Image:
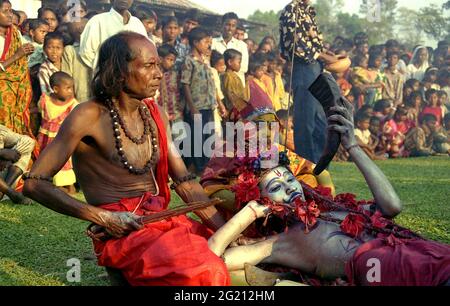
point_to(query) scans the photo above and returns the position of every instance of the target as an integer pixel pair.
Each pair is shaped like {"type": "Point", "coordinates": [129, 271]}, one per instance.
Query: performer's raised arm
{"type": "Point", "coordinates": [384, 194]}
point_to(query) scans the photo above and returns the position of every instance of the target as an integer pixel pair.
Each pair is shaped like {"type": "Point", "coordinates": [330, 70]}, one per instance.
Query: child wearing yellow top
{"type": "Point", "coordinates": [54, 109]}
{"type": "Point", "coordinates": [234, 91]}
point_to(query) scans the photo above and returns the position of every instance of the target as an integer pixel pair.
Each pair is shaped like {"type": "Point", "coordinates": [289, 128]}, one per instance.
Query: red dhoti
{"type": "Point", "coordinates": [172, 252]}
{"type": "Point", "coordinates": [402, 262]}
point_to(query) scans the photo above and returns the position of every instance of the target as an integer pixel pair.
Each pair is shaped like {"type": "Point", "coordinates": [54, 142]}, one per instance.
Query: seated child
{"type": "Point", "coordinates": [364, 136]}
{"type": "Point", "coordinates": [53, 49]}
{"type": "Point", "coordinates": [395, 129]}
{"type": "Point", "coordinates": [432, 107]}
{"type": "Point", "coordinates": [363, 79]}
{"type": "Point", "coordinates": [441, 138]}
{"type": "Point", "coordinates": [54, 109]}
{"type": "Point", "coordinates": [413, 106]}
{"type": "Point", "coordinates": [419, 141]}
{"type": "Point", "coordinates": [383, 109]}
{"type": "Point", "coordinates": [443, 102]}
{"type": "Point", "coordinates": [376, 138]}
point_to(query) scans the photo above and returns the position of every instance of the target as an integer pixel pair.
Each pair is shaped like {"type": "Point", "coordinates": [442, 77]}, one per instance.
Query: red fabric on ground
{"type": "Point", "coordinates": [172, 252]}
{"type": "Point", "coordinates": [403, 262]}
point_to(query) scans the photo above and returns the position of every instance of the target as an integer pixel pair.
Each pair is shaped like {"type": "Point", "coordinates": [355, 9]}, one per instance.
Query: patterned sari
{"type": "Point", "coordinates": [15, 87]}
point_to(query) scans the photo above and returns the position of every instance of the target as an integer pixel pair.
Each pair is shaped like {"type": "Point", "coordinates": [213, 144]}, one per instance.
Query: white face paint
{"type": "Point", "coordinates": [281, 186]}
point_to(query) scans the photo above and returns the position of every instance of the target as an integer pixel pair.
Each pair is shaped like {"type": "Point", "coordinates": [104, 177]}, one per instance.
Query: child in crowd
{"type": "Point", "coordinates": [73, 65]}
{"type": "Point", "coordinates": [169, 94]}
{"type": "Point", "coordinates": [235, 93]}
{"type": "Point", "coordinates": [366, 140]}
{"type": "Point", "coordinates": [265, 83]}
{"type": "Point", "coordinates": [443, 102]}
{"type": "Point", "coordinates": [200, 93]}
{"type": "Point", "coordinates": [258, 76]}
{"type": "Point", "coordinates": [432, 107]}
{"type": "Point", "coordinates": [218, 68]}
{"type": "Point", "coordinates": [54, 109]}
{"type": "Point", "coordinates": [394, 131]}
{"type": "Point", "coordinates": [260, 103]}
{"type": "Point", "coordinates": [286, 127]}
{"type": "Point", "coordinates": [38, 31]}
{"type": "Point", "coordinates": [376, 75]}
{"type": "Point", "coordinates": [149, 20]}
{"type": "Point", "coordinates": [383, 110]}
{"type": "Point", "coordinates": [376, 138]}
{"type": "Point", "coordinates": [419, 141]}
{"type": "Point", "coordinates": [394, 80]}
{"type": "Point", "coordinates": [53, 49]}
{"type": "Point", "coordinates": [363, 80]}
{"type": "Point", "coordinates": [431, 76]}
{"type": "Point", "coordinates": [362, 131]}
{"type": "Point", "coordinates": [409, 87]}
{"type": "Point", "coordinates": [441, 138]}
{"type": "Point", "coordinates": [278, 98]}
{"type": "Point", "coordinates": [414, 105]}
{"type": "Point", "coordinates": [251, 46]}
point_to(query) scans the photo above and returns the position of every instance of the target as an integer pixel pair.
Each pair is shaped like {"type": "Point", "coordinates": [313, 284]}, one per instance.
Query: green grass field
{"type": "Point", "coordinates": [35, 243]}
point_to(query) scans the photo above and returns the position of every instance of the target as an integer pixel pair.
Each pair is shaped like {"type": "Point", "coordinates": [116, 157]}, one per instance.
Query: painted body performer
{"type": "Point", "coordinates": [329, 237]}
{"type": "Point", "coordinates": [119, 145]}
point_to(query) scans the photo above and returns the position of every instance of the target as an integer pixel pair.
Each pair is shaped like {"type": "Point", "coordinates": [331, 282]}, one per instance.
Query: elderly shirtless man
{"type": "Point", "coordinates": [119, 144]}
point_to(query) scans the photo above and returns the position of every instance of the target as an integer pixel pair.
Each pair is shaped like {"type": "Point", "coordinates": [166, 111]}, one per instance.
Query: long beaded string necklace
{"type": "Point", "coordinates": [149, 130]}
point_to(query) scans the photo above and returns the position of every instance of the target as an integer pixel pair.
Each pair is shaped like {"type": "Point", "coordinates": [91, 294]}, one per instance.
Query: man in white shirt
{"type": "Point", "coordinates": [103, 26]}
{"type": "Point", "coordinates": [227, 41]}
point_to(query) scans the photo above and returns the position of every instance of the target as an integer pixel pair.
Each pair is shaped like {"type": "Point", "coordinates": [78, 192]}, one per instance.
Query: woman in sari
{"type": "Point", "coordinates": [15, 86]}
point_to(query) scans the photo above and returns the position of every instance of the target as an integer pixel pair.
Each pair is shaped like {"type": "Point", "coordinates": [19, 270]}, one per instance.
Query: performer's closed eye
{"type": "Point", "coordinates": [275, 189]}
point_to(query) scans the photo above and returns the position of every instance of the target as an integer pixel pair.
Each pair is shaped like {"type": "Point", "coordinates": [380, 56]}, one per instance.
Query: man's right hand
{"type": "Point", "coordinates": [120, 224]}
{"type": "Point", "coordinates": [10, 154]}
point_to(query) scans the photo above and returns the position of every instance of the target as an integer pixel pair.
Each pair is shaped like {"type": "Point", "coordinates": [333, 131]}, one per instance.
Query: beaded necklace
{"type": "Point", "coordinates": [149, 130]}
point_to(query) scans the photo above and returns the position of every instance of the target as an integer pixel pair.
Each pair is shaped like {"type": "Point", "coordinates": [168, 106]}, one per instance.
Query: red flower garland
{"type": "Point", "coordinates": [353, 225]}
{"type": "Point", "coordinates": [246, 189]}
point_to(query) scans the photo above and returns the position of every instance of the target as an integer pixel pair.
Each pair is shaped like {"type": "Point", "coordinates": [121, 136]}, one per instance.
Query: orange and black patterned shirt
{"type": "Point", "coordinates": [309, 40]}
